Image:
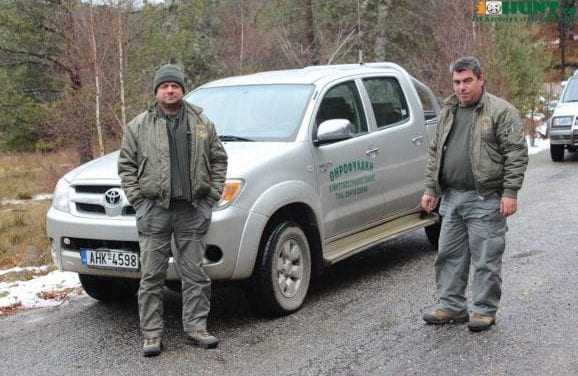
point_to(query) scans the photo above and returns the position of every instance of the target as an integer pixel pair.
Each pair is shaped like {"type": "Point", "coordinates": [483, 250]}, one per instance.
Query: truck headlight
{"type": "Point", "coordinates": [61, 196]}
{"type": "Point", "coordinates": [562, 121]}
{"type": "Point", "coordinates": [230, 192]}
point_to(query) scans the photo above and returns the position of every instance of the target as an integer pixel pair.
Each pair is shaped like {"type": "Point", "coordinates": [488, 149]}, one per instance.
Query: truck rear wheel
{"type": "Point", "coordinates": [283, 272]}
{"type": "Point", "coordinates": [108, 289]}
{"type": "Point", "coordinates": [557, 153]}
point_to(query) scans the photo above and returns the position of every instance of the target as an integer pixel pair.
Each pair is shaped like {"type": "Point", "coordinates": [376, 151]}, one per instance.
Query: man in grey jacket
{"type": "Point", "coordinates": [172, 168]}
{"type": "Point", "coordinates": [477, 162]}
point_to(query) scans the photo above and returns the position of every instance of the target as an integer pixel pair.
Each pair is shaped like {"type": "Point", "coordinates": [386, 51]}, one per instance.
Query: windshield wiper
{"type": "Point", "coordinates": [228, 137]}
{"type": "Point", "coordinates": [571, 100]}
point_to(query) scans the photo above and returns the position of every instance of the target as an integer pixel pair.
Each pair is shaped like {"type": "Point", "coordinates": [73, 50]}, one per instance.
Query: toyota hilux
{"type": "Point", "coordinates": [563, 126]}
{"type": "Point", "coordinates": [324, 162]}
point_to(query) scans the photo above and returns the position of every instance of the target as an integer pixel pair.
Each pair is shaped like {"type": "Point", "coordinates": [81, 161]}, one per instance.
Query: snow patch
{"type": "Point", "coordinates": [41, 291]}
{"type": "Point", "coordinates": [42, 197]}
{"type": "Point", "coordinates": [540, 144]}
{"type": "Point", "coordinates": [18, 269]}
{"type": "Point", "coordinates": [39, 197]}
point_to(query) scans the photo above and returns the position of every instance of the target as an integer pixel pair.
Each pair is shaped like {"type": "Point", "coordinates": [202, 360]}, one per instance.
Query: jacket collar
{"type": "Point", "coordinates": [452, 101]}
{"type": "Point", "coordinates": [188, 108]}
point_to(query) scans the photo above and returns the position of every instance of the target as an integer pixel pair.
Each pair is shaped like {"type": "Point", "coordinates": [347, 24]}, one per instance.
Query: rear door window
{"type": "Point", "coordinates": [427, 99]}
{"type": "Point", "coordinates": [387, 101]}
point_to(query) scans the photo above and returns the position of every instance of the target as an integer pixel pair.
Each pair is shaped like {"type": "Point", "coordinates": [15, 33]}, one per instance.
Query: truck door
{"type": "Point", "coordinates": [345, 169]}
{"type": "Point", "coordinates": [401, 139]}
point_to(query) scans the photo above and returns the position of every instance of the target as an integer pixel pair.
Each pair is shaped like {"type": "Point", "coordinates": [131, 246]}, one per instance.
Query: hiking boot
{"type": "Point", "coordinates": [443, 316]}
{"type": "Point", "coordinates": [479, 323]}
{"type": "Point", "coordinates": [202, 338]}
{"type": "Point", "coordinates": [152, 346]}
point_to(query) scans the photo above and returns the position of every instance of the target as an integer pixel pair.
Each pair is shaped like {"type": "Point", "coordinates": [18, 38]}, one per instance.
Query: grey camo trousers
{"type": "Point", "coordinates": [473, 233]}
{"type": "Point", "coordinates": [187, 225]}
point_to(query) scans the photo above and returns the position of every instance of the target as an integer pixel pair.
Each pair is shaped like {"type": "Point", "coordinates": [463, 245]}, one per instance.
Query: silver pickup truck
{"type": "Point", "coordinates": [563, 126]}
{"type": "Point", "coordinates": [324, 162]}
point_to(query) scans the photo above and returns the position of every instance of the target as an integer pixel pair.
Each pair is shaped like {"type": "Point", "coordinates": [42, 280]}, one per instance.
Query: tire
{"type": "Point", "coordinates": [433, 233]}
{"type": "Point", "coordinates": [283, 273]}
{"type": "Point", "coordinates": [557, 153]}
{"type": "Point", "coordinates": [108, 289]}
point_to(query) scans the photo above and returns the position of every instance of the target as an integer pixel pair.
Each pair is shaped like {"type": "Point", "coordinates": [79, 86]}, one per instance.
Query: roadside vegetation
{"type": "Point", "coordinates": [23, 239]}
{"type": "Point", "coordinates": [24, 175]}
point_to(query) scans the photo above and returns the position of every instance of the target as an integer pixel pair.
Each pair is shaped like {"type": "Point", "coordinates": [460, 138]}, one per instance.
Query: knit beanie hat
{"type": "Point", "coordinates": [169, 73]}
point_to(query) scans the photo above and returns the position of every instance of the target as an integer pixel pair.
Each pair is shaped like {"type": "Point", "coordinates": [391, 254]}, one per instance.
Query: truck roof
{"type": "Point", "coordinates": [308, 75]}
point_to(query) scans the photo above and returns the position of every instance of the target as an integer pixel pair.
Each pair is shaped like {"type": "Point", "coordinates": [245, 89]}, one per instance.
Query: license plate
{"type": "Point", "coordinates": [109, 259]}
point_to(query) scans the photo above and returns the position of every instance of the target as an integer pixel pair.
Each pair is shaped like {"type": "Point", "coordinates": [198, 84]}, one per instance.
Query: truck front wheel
{"type": "Point", "coordinates": [281, 278]}
{"type": "Point", "coordinates": [108, 289]}
{"type": "Point", "coordinates": [557, 153]}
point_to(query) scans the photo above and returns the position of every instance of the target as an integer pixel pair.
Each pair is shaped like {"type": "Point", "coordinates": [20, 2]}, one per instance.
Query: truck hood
{"type": "Point", "coordinates": [566, 109]}
{"type": "Point", "coordinates": [243, 156]}
{"type": "Point", "coordinates": [100, 169]}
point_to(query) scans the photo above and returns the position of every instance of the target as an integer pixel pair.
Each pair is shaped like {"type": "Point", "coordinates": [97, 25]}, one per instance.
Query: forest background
{"type": "Point", "coordinates": [74, 72]}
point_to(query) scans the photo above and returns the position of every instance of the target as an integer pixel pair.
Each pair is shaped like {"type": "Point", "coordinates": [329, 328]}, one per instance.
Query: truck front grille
{"type": "Point", "coordinates": [94, 188]}
{"type": "Point", "coordinates": [76, 243]}
{"type": "Point", "coordinates": [90, 200]}
{"type": "Point", "coordinates": [99, 209]}
{"type": "Point", "coordinates": [89, 208]}
{"type": "Point", "coordinates": [560, 137]}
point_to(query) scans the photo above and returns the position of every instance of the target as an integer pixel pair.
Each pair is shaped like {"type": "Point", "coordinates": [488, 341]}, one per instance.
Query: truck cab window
{"type": "Point", "coordinates": [343, 102]}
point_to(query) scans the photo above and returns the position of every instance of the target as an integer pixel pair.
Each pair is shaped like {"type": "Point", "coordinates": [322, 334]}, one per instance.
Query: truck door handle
{"type": "Point", "coordinates": [371, 151]}
{"type": "Point", "coordinates": [417, 141]}
{"type": "Point", "coordinates": [325, 166]}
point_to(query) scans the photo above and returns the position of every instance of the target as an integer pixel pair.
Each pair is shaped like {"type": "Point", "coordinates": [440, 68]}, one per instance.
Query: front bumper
{"type": "Point", "coordinates": [564, 135]}
{"type": "Point", "coordinates": [226, 234]}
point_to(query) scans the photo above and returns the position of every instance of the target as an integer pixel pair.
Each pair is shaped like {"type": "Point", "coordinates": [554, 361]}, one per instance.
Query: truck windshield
{"type": "Point", "coordinates": [571, 92]}
{"type": "Point", "coordinates": [254, 112]}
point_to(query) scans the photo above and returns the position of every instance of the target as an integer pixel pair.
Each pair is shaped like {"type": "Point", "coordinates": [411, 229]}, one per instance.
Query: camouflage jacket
{"type": "Point", "coordinates": [498, 150]}
{"type": "Point", "coordinates": [144, 160]}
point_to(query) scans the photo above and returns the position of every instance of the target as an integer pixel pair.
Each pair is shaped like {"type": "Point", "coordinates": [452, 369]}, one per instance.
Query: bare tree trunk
{"type": "Point", "coordinates": [565, 23]}
{"type": "Point", "coordinates": [242, 48]}
{"type": "Point", "coordinates": [562, 38]}
{"type": "Point", "coordinates": [96, 80]}
{"type": "Point", "coordinates": [121, 69]}
{"type": "Point", "coordinates": [311, 48]}
{"type": "Point", "coordinates": [70, 29]}
{"type": "Point", "coordinates": [380, 41]}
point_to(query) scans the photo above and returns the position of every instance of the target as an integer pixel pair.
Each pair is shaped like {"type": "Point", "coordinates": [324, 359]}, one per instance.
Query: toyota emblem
{"type": "Point", "coordinates": [113, 198]}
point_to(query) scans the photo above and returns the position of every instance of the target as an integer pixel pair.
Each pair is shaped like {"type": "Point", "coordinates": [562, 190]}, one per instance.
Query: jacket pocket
{"type": "Point", "coordinates": [143, 208]}
{"type": "Point", "coordinates": [206, 210]}
{"type": "Point", "coordinates": [491, 164]}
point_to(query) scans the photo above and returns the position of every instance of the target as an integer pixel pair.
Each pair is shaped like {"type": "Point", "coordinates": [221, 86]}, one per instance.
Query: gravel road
{"type": "Point", "coordinates": [362, 318]}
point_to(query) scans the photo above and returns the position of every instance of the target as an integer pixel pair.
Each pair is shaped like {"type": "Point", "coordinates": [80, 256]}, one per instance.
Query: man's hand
{"type": "Point", "coordinates": [508, 206]}
{"type": "Point", "coordinates": [428, 202]}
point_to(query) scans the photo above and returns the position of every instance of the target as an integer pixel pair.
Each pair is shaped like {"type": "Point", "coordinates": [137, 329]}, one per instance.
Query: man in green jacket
{"type": "Point", "coordinates": [477, 162]}
{"type": "Point", "coordinates": [172, 168]}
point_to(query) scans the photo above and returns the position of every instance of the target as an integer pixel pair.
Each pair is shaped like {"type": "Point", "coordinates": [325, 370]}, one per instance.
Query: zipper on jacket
{"type": "Point", "coordinates": [162, 131]}
{"type": "Point", "coordinates": [476, 178]}
{"type": "Point", "coordinates": [192, 129]}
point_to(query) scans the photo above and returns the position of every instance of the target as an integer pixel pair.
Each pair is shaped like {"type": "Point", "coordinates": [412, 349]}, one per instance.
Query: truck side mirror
{"type": "Point", "coordinates": [333, 130]}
